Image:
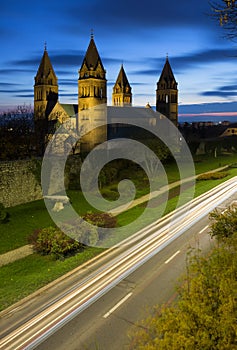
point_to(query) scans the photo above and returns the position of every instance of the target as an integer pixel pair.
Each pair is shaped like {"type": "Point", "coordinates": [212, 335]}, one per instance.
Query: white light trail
{"type": "Point", "coordinates": [153, 239]}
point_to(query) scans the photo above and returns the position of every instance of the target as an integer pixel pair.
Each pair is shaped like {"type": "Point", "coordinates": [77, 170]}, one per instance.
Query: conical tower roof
{"type": "Point", "coordinates": [167, 73]}
{"type": "Point", "coordinates": [92, 57]}
{"type": "Point", "coordinates": [45, 67]}
{"type": "Point", "coordinates": [122, 79]}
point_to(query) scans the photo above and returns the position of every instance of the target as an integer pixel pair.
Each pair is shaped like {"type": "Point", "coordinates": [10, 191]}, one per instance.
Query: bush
{"type": "Point", "coordinates": [52, 241]}
{"type": "Point", "coordinates": [101, 220]}
{"type": "Point", "coordinates": [212, 176]}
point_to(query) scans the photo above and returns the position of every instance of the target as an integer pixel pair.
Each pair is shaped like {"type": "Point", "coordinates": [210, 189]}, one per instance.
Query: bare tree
{"type": "Point", "coordinates": [225, 12]}
{"type": "Point", "coordinates": [17, 133]}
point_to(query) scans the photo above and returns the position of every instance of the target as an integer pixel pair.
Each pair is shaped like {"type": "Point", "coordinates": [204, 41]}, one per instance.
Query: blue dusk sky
{"type": "Point", "coordinates": [138, 34]}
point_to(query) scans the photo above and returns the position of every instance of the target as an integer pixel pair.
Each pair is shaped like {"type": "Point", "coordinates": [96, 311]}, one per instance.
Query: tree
{"type": "Point", "coordinates": [225, 12]}
{"type": "Point", "coordinates": [17, 133]}
{"type": "Point", "coordinates": [223, 224]}
{"type": "Point", "coordinates": [203, 317]}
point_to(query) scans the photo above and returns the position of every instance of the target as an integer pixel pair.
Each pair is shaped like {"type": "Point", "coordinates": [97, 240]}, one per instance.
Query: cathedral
{"type": "Point", "coordinates": [92, 92]}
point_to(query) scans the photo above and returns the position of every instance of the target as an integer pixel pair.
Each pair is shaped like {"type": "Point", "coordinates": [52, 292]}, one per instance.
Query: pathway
{"type": "Point", "coordinates": [26, 250]}
{"type": "Point", "coordinates": [15, 254]}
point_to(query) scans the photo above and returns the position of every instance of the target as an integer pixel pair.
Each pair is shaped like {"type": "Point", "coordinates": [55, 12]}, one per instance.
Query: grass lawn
{"type": "Point", "coordinates": [205, 163]}
{"type": "Point", "coordinates": [201, 187]}
{"type": "Point", "coordinates": [26, 275]}
{"type": "Point", "coordinates": [27, 217]}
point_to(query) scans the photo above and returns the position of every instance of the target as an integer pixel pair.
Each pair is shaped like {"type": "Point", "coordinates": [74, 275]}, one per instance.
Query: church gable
{"type": "Point", "coordinates": [58, 113]}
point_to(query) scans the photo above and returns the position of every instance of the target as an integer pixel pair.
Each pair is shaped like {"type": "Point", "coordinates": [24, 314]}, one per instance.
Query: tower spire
{"type": "Point", "coordinates": [45, 46]}
{"type": "Point", "coordinates": [122, 91]}
{"type": "Point", "coordinates": [92, 33]}
{"type": "Point", "coordinates": [167, 93]}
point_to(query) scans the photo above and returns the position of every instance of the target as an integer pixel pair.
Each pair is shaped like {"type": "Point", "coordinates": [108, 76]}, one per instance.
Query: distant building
{"type": "Point", "coordinates": [92, 92]}
{"type": "Point", "coordinates": [230, 131]}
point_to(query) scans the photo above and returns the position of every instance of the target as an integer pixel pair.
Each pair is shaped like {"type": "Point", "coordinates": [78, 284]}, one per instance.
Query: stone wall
{"type": "Point", "coordinates": [20, 179]}
{"type": "Point", "coordinates": [19, 182]}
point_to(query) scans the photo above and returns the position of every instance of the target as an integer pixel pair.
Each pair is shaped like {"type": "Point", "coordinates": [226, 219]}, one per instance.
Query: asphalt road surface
{"type": "Point", "coordinates": [96, 306]}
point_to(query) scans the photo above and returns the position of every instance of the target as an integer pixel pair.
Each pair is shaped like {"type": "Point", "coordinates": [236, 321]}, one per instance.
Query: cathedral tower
{"type": "Point", "coordinates": [92, 86]}
{"type": "Point", "coordinates": [45, 88]}
{"type": "Point", "coordinates": [167, 94]}
{"type": "Point", "coordinates": [122, 91]}
{"type": "Point", "coordinates": [92, 99]}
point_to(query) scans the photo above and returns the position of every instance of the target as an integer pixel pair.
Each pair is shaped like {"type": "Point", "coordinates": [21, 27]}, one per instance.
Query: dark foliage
{"type": "Point", "coordinates": [52, 241]}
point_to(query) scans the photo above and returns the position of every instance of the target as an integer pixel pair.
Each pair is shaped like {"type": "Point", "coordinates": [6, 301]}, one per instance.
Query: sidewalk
{"type": "Point", "coordinates": [147, 197]}
{"type": "Point", "coordinates": [26, 250]}
{"type": "Point", "coordinates": [15, 254]}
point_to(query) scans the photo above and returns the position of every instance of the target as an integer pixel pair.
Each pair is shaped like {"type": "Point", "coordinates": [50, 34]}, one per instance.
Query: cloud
{"type": "Point", "coordinates": [15, 71]}
{"type": "Point", "coordinates": [69, 94]}
{"type": "Point", "coordinates": [67, 81]}
{"type": "Point", "coordinates": [208, 107]}
{"type": "Point", "coordinates": [62, 72]}
{"type": "Point", "coordinates": [24, 95]}
{"type": "Point", "coordinates": [146, 72]}
{"type": "Point", "coordinates": [205, 56]}
{"type": "Point", "coordinates": [218, 93]}
{"type": "Point", "coordinates": [72, 58]}
{"type": "Point", "coordinates": [6, 85]}
{"type": "Point", "coordinates": [137, 14]}
{"type": "Point", "coordinates": [14, 90]}
{"type": "Point", "coordinates": [59, 59]}
{"type": "Point", "coordinates": [181, 63]}
{"type": "Point", "coordinates": [224, 91]}
{"type": "Point", "coordinates": [228, 88]}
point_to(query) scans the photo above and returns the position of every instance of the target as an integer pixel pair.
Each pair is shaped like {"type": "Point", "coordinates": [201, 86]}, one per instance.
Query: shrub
{"type": "Point", "coordinates": [212, 176]}
{"type": "Point", "coordinates": [52, 241]}
{"type": "Point", "coordinates": [101, 220]}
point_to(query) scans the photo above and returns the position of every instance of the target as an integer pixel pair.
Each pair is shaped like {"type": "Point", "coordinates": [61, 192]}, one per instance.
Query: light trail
{"type": "Point", "coordinates": [152, 240]}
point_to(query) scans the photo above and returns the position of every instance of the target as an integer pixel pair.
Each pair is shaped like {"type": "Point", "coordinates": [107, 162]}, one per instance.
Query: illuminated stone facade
{"type": "Point", "coordinates": [92, 92]}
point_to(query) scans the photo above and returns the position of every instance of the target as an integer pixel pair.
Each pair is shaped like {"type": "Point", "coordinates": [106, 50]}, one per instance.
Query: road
{"type": "Point", "coordinates": [98, 307]}
{"type": "Point", "coordinates": [106, 324]}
